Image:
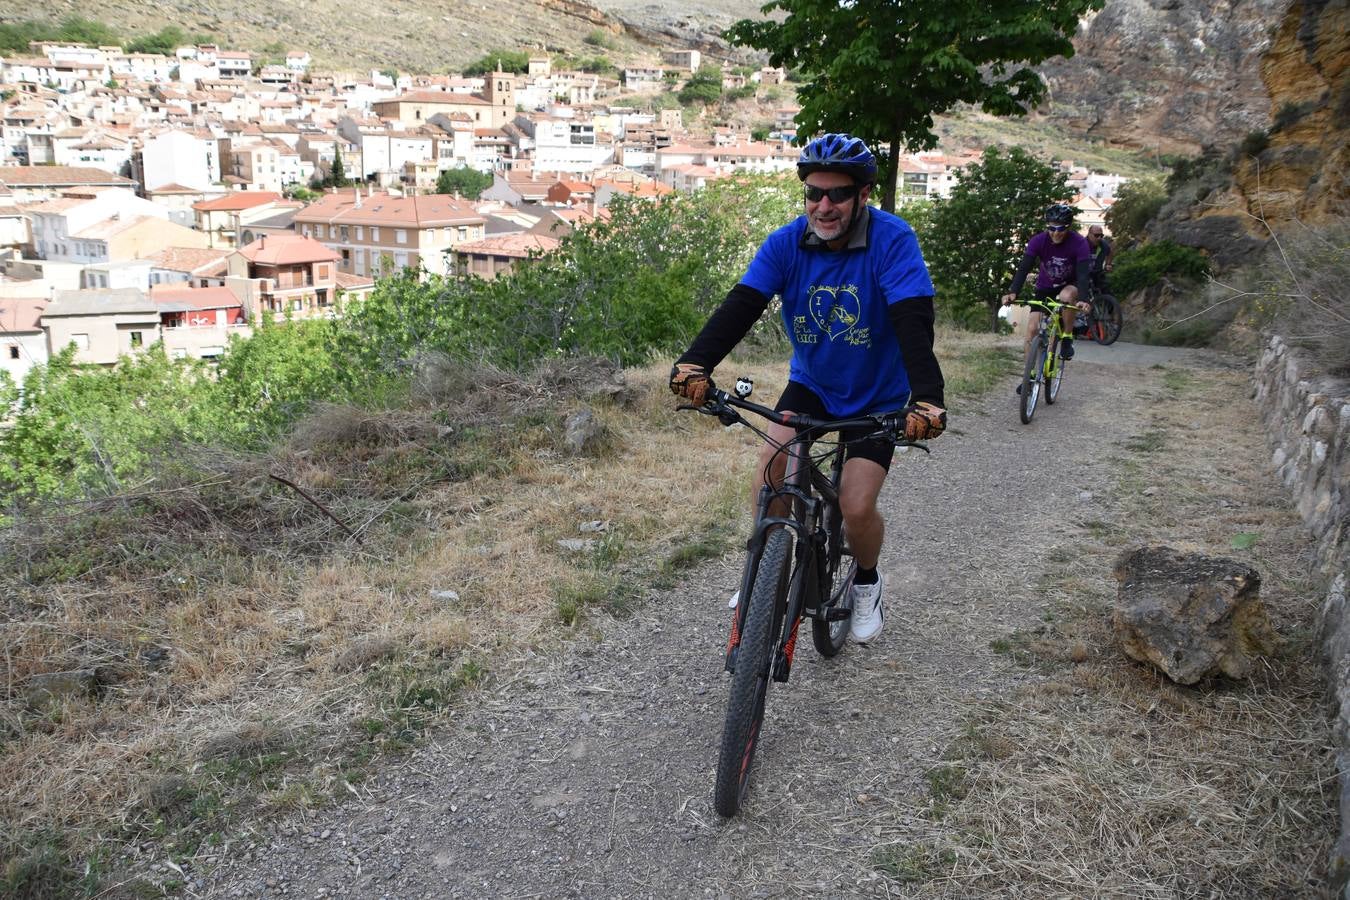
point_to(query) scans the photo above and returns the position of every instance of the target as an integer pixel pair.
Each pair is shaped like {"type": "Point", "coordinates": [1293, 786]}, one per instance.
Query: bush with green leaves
{"type": "Point", "coordinates": [1146, 265]}
{"type": "Point", "coordinates": [517, 61]}
{"type": "Point", "coordinates": [463, 181]}
{"type": "Point", "coordinates": [703, 87]}
{"type": "Point", "coordinates": [977, 235]}
{"type": "Point", "coordinates": [83, 430]}
{"type": "Point", "coordinates": [1137, 202]}
{"type": "Point", "coordinates": [643, 281]}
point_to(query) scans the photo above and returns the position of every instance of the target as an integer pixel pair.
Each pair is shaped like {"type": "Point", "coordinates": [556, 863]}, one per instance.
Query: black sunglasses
{"type": "Point", "coordinates": [837, 195]}
{"type": "Point", "coordinates": [1057, 228]}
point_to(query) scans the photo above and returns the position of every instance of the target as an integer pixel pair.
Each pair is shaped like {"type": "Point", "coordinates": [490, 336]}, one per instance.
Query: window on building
{"type": "Point", "coordinates": [374, 232]}
{"type": "Point", "coordinates": [360, 232]}
{"type": "Point", "coordinates": [13, 351]}
{"type": "Point", "coordinates": [346, 256]}
{"type": "Point", "coordinates": [400, 236]}
{"type": "Point", "coordinates": [463, 232]}
{"type": "Point", "coordinates": [297, 304]}
{"type": "Point", "coordinates": [137, 339]}
{"type": "Point", "coordinates": [345, 237]}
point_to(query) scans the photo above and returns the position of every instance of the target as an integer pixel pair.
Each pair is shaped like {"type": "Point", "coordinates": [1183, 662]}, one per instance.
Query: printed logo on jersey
{"type": "Point", "coordinates": [836, 310]}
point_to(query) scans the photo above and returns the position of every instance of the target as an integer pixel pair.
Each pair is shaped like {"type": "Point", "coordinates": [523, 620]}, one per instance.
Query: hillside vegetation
{"type": "Point", "coordinates": [410, 35]}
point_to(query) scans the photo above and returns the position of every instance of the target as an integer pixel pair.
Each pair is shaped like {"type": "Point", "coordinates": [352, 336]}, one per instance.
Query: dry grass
{"type": "Point", "coordinates": [1103, 779]}
{"type": "Point", "coordinates": [252, 655]}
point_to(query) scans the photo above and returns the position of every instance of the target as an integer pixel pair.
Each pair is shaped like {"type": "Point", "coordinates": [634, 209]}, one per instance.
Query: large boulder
{"type": "Point", "coordinates": [1192, 616]}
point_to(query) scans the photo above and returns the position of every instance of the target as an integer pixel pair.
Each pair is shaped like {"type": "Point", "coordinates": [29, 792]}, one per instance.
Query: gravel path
{"type": "Point", "coordinates": [588, 771]}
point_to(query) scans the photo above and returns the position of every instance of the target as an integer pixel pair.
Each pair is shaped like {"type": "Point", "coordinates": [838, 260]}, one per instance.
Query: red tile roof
{"type": "Point", "coordinates": [515, 246]}
{"type": "Point", "coordinates": [237, 200]}
{"type": "Point", "coordinates": [287, 249]}
{"type": "Point", "coordinates": [182, 297]}
{"type": "Point", "coordinates": [59, 175]}
{"type": "Point", "coordinates": [21, 313]}
{"type": "Point", "coordinates": [379, 208]}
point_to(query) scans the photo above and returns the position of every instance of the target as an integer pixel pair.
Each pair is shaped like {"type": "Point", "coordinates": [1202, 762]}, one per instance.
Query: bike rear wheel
{"type": "Point", "coordinates": [1031, 380]}
{"type": "Point", "coordinates": [1055, 376]}
{"type": "Point", "coordinates": [750, 681]}
{"type": "Point", "coordinates": [1110, 320]}
{"type": "Point", "coordinates": [830, 636]}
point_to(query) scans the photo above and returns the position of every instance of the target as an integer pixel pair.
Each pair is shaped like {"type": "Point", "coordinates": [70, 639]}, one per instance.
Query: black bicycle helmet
{"type": "Point", "coordinates": [838, 153]}
{"type": "Point", "coordinates": [1059, 214]}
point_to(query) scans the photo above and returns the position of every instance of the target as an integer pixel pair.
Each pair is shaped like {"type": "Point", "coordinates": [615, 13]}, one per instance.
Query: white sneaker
{"type": "Point", "coordinates": [867, 617]}
{"type": "Point", "coordinates": [735, 598]}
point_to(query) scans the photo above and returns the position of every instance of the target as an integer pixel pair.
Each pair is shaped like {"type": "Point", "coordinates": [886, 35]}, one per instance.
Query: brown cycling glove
{"type": "Point", "coordinates": [925, 422]}
{"type": "Point", "coordinates": [691, 381]}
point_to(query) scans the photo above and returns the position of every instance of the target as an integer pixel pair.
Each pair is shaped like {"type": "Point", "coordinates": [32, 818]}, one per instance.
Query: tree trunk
{"type": "Point", "coordinates": [893, 172]}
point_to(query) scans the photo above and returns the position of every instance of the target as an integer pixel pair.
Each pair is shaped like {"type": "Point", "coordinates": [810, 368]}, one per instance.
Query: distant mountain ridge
{"type": "Point", "coordinates": [413, 35]}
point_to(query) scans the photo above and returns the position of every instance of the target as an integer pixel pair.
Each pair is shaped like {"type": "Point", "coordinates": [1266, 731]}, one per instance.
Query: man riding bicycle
{"type": "Point", "coordinates": [858, 307]}
{"type": "Point", "coordinates": [1065, 263]}
{"type": "Point", "coordinates": [1103, 257]}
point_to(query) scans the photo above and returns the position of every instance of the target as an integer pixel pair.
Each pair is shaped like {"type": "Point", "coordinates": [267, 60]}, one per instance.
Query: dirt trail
{"type": "Point", "coordinates": [588, 772]}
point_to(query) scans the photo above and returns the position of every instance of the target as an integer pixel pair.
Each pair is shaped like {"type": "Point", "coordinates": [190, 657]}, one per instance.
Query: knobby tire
{"type": "Point", "coordinates": [1112, 323]}
{"type": "Point", "coordinates": [750, 681]}
{"type": "Point", "coordinates": [1054, 379]}
{"type": "Point", "coordinates": [830, 637]}
{"type": "Point", "coordinates": [1031, 380]}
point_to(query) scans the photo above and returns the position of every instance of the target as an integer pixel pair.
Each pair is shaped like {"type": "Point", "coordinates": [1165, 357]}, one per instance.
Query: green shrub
{"type": "Point", "coordinates": [1137, 202]}
{"type": "Point", "coordinates": [1141, 267]}
{"type": "Point", "coordinates": [1253, 144]}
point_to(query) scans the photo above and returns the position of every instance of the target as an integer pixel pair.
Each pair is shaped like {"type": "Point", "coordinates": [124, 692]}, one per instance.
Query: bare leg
{"type": "Point", "coordinates": [858, 492]}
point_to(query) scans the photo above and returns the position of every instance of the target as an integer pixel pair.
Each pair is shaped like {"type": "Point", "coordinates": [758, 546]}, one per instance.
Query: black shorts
{"type": "Point", "coordinates": [803, 400]}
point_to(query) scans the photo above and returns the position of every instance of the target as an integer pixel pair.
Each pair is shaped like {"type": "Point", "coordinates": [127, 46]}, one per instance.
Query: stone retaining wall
{"type": "Point", "coordinates": [1308, 421]}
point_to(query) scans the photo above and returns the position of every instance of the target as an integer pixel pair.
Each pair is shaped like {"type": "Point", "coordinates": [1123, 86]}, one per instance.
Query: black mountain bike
{"type": "Point", "coordinates": [798, 566]}
{"type": "Point", "coordinates": [1105, 319]}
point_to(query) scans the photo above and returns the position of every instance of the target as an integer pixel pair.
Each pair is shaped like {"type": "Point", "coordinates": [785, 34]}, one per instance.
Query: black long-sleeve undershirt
{"type": "Point", "coordinates": [911, 318]}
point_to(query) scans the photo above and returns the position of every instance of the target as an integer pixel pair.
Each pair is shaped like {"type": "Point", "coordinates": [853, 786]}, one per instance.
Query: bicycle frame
{"type": "Point", "coordinates": [810, 492]}
{"type": "Point", "coordinates": [1043, 365]}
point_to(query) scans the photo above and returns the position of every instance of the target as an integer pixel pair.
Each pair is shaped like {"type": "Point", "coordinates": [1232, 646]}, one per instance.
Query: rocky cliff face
{"type": "Point", "coordinates": [1304, 171]}
{"type": "Point", "coordinates": [1170, 75]}
{"type": "Point", "coordinates": [1298, 173]}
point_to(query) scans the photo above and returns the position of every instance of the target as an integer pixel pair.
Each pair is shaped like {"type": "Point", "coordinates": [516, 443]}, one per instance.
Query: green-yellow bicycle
{"type": "Point", "coordinates": [1043, 373]}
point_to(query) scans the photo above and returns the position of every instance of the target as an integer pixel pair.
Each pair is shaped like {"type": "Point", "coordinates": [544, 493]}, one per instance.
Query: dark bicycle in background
{"type": "Point", "coordinates": [1103, 322]}
{"type": "Point", "coordinates": [798, 566]}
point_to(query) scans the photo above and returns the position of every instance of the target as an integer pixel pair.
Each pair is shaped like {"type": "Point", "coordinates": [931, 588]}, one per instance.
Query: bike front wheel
{"type": "Point", "coordinates": [1055, 377]}
{"type": "Point", "coordinates": [1110, 320]}
{"type": "Point", "coordinates": [1054, 373]}
{"type": "Point", "coordinates": [750, 681]}
{"type": "Point", "coordinates": [1030, 392]}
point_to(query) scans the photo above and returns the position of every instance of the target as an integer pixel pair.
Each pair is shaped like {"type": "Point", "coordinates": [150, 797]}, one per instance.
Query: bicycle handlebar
{"type": "Point", "coordinates": [724, 405]}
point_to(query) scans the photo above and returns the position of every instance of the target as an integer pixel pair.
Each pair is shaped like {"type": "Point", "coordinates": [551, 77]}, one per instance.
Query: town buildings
{"type": "Point", "coordinates": [185, 197]}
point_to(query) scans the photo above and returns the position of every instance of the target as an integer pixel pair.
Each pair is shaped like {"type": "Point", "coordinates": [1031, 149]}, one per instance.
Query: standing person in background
{"type": "Point", "coordinates": [858, 308]}
{"type": "Point", "coordinates": [1065, 261]}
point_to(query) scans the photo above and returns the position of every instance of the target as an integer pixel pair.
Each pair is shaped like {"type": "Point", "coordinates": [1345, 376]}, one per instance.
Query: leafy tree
{"type": "Point", "coordinates": [881, 69]}
{"type": "Point", "coordinates": [644, 280]}
{"type": "Point", "coordinates": [391, 74]}
{"type": "Point", "coordinates": [1137, 201]}
{"type": "Point", "coordinates": [464, 181]}
{"type": "Point", "coordinates": [704, 86]}
{"type": "Point", "coordinates": [265, 382]}
{"type": "Point", "coordinates": [297, 191]}
{"type": "Point", "coordinates": [979, 233]}
{"type": "Point", "coordinates": [166, 41]}
{"type": "Point", "coordinates": [85, 430]}
{"type": "Point", "coordinates": [510, 61]}
{"type": "Point", "coordinates": [597, 65]}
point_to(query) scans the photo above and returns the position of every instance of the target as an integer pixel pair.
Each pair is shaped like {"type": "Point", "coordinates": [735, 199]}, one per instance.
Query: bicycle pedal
{"type": "Point", "coordinates": [837, 614]}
